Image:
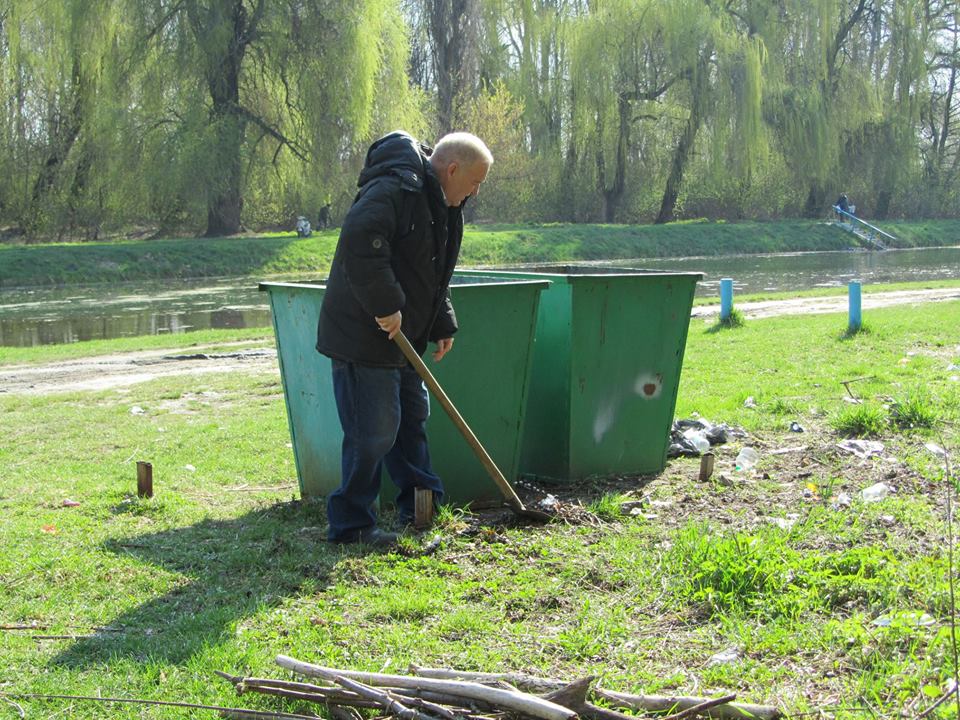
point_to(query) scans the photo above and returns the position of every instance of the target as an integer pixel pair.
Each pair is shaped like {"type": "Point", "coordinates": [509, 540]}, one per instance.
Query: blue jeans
{"type": "Point", "coordinates": [383, 412]}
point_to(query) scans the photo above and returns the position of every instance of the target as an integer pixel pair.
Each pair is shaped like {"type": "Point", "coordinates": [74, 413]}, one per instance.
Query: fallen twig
{"type": "Point", "coordinates": [516, 701]}
{"type": "Point", "coordinates": [166, 703]}
{"type": "Point", "coordinates": [382, 698]}
{"type": "Point", "coordinates": [522, 681]}
{"type": "Point", "coordinates": [666, 703]}
{"type": "Point", "coordinates": [939, 701]}
{"type": "Point", "coordinates": [19, 709]}
{"type": "Point", "coordinates": [698, 709]}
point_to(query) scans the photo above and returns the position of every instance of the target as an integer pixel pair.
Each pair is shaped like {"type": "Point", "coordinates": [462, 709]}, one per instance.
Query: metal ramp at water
{"type": "Point", "coordinates": [868, 233]}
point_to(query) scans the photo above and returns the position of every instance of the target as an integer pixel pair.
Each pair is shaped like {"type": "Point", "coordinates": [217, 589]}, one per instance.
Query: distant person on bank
{"type": "Point", "coordinates": [398, 246]}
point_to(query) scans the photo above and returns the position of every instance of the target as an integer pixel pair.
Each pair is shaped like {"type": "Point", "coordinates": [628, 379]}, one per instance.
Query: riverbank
{"type": "Point", "coordinates": [63, 264]}
{"type": "Point", "coordinates": [780, 583]}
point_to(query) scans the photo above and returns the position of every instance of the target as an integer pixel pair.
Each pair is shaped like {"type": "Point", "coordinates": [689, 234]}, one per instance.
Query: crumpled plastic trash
{"type": "Point", "coordinates": [841, 500]}
{"type": "Point", "coordinates": [861, 448]}
{"type": "Point", "coordinates": [905, 618]}
{"type": "Point", "coordinates": [796, 427]}
{"type": "Point", "coordinates": [876, 492]}
{"type": "Point", "coordinates": [686, 436]}
{"type": "Point", "coordinates": [750, 402]}
{"type": "Point", "coordinates": [725, 656]}
{"type": "Point", "coordinates": [549, 502]}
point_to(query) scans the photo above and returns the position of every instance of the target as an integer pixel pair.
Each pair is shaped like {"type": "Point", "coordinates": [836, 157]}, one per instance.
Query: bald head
{"type": "Point", "coordinates": [461, 161]}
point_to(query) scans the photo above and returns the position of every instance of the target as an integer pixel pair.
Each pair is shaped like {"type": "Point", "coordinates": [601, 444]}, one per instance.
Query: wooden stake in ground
{"type": "Point", "coordinates": [706, 466]}
{"type": "Point", "coordinates": [144, 479]}
{"type": "Point", "coordinates": [422, 507]}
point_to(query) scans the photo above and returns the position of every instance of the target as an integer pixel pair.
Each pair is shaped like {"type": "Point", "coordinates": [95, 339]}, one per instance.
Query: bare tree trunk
{"type": "Point", "coordinates": [223, 79]}
{"type": "Point", "coordinates": [699, 88]}
{"type": "Point", "coordinates": [613, 196]}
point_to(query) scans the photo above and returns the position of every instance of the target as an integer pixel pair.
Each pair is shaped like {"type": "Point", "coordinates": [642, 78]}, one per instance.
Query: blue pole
{"type": "Point", "coordinates": [726, 298]}
{"type": "Point", "coordinates": [856, 319]}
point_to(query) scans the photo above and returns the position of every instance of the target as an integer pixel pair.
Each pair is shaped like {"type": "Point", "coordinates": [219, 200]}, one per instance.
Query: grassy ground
{"type": "Point", "coordinates": [225, 568]}
{"type": "Point", "coordinates": [493, 245]}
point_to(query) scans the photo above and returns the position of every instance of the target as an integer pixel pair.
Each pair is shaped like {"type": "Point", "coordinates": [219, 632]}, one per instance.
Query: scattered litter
{"type": "Point", "coordinates": [548, 503]}
{"type": "Point", "coordinates": [903, 361]}
{"type": "Point", "coordinates": [51, 529]}
{"type": "Point", "coordinates": [725, 656]}
{"type": "Point", "coordinates": [852, 400]}
{"type": "Point", "coordinates": [841, 500]}
{"type": "Point", "coordinates": [189, 468]}
{"type": "Point", "coordinates": [784, 451]}
{"type": "Point", "coordinates": [687, 436]}
{"type": "Point", "coordinates": [70, 503]}
{"type": "Point", "coordinates": [747, 458]}
{"type": "Point", "coordinates": [698, 439]}
{"type": "Point", "coordinates": [862, 448]}
{"type": "Point", "coordinates": [954, 378]}
{"type": "Point", "coordinates": [936, 449]}
{"type": "Point", "coordinates": [796, 427]}
{"type": "Point", "coordinates": [750, 402]}
{"type": "Point", "coordinates": [137, 410]}
{"type": "Point", "coordinates": [906, 618]}
{"type": "Point", "coordinates": [876, 492]}
{"type": "Point", "coordinates": [785, 523]}
{"type": "Point", "coordinates": [888, 520]}
{"type": "Point", "coordinates": [952, 366]}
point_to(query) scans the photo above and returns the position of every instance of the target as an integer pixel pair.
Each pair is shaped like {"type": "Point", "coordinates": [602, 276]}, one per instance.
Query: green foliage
{"type": "Point", "coordinates": [916, 409]}
{"type": "Point", "coordinates": [865, 420]}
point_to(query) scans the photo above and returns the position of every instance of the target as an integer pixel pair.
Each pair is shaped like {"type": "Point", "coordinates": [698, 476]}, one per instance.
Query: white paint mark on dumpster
{"type": "Point", "coordinates": [648, 385]}
{"type": "Point", "coordinates": [603, 420]}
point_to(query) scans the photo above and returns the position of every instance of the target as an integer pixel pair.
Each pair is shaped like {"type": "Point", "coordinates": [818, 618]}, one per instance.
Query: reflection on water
{"type": "Point", "coordinates": [40, 316]}
{"type": "Point", "coordinates": [44, 316]}
{"type": "Point", "coordinates": [804, 271]}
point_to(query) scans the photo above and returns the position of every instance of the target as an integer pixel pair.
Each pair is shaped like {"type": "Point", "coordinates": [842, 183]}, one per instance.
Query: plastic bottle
{"type": "Point", "coordinates": [747, 458]}
{"type": "Point", "coordinates": [698, 439]}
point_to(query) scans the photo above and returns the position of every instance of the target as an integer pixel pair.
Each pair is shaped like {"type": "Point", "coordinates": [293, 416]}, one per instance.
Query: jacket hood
{"type": "Point", "coordinates": [397, 154]}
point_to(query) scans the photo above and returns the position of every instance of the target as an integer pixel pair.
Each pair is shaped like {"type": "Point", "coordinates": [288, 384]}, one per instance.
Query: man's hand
{"type": "Point", "coordinates": [390, 324]}
{"type": "Point", "coordinates": [443, 347]}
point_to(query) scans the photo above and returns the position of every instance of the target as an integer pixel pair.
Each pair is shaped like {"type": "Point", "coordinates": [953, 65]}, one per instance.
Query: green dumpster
{"type": "Point", "coordinates": [606, 369]}
{"type": "Point", "coordinates": [485, 375]}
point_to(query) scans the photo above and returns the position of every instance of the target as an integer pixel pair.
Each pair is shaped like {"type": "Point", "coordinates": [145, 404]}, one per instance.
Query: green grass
{"type": "Point", "coordinates": [63, 263]}
{"type": "Point", "coordinates": [225, 568]}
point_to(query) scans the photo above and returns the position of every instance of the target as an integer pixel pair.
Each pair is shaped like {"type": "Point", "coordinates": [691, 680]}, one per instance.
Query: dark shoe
{"type": "Point", "coordinates": [370, 536]}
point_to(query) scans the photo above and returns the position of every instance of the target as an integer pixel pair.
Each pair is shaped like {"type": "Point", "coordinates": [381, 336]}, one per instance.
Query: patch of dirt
{"type": "Point", "coordinates": [122, 370]}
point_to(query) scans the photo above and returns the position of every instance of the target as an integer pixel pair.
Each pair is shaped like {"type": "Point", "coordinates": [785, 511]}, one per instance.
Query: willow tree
{"type": "Point", "coordinates": [821, 91]}
{"type": "Point", "coordinates": [243, 82]}
{"type": "Point", "coordinates": [649, 76]}
{"type": "Point", "coordinates": [57, 62]}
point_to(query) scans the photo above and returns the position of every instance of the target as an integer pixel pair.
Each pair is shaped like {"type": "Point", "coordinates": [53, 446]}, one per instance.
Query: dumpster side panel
{"type": "Point", "coordinates": [307, 388]}
{"type": "Point", "coordinates": [486, 378]}
{"type": "Point", "coordinates": [627, 340]}
{"type": "Point", "coordinates": [546, 431]}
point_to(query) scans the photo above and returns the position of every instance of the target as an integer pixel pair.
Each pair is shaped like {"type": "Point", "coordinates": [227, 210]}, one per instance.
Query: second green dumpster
{"type": "Point", "coordinates": [606, 369]}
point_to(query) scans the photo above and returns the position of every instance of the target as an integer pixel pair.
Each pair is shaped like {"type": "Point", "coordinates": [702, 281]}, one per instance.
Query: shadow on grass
{"type": "Point", "coordinates": [235, 567]}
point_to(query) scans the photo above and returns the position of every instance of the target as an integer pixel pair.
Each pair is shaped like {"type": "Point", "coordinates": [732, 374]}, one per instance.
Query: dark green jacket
{"type": "Point", "coordinates": [398, 246]}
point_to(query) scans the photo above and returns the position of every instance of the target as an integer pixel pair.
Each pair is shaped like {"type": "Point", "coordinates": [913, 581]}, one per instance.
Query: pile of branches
{"type": "Point", "coordinates": [441, 694]}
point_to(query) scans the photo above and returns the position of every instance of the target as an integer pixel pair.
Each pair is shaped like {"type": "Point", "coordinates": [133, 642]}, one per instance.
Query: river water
{"type": "Point", "coordinates": [41, 316]}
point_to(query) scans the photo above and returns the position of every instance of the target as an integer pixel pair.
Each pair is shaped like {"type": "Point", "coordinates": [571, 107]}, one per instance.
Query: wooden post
{"type": "Point", "coordinates": [422, 507]}
{"type": "Point", "coordinates": [144, 479]}
{"type": "Point", "coordinates": [706, 466]}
